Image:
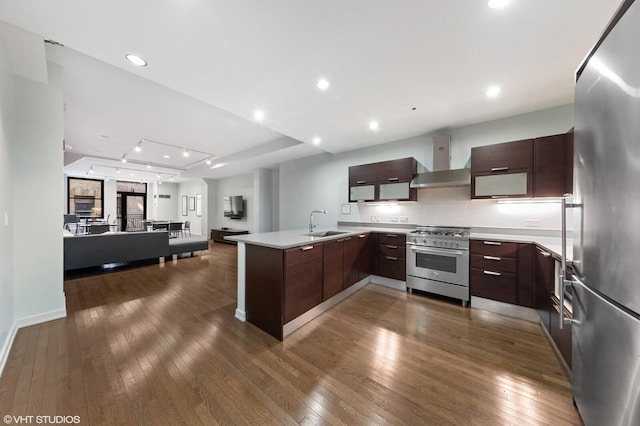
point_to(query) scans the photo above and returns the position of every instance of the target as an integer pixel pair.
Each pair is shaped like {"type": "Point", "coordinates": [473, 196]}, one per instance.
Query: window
{"type": "Point", "coordinates": [86, 197]}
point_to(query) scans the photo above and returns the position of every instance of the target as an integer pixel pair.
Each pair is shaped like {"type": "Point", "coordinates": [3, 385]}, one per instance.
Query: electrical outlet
{"type": "Point", "coordinates": [403, 219]}
{"type": "Point", "coordinates": [532, 223]}
{"type": "Point", "coordinates": [375, 218]}
{"type": "Point", "coordinates": [393, 218]}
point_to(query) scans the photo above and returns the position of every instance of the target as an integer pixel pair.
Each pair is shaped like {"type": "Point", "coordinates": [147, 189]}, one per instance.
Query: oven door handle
{"type": "Point", "coordinates": [432, 250]}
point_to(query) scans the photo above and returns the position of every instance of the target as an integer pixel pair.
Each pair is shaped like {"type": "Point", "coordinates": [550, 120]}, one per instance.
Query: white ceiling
{"type": "Point", "coordinates": [212, 63]}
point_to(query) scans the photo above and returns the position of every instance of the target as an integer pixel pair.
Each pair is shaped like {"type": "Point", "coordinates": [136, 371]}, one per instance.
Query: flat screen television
{"type": "Point", "coordinates": [233, 207]}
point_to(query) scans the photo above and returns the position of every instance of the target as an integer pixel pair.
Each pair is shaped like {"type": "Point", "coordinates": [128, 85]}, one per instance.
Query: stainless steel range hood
{"type": "Point", "coordinates": [442, 176]}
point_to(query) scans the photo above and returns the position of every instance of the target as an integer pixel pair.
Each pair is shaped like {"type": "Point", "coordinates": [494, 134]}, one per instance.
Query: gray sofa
{"type": "Point", "coordinates": [83, 251]}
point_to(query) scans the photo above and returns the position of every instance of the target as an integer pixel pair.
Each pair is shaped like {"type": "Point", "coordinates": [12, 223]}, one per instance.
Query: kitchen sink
{"type": "Point", "coordinates": [324, 233]}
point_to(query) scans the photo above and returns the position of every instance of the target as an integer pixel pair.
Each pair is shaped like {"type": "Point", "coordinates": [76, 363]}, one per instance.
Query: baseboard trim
{"type": "Point", "coordinates": [26, 322]}
{"type": "Point", "coordinates": [241, 315]}
{"type": "Point", "coordinates": [507, 309]}
{"type": "Point", "coordinates": [40, 318]}
{"type": "Point", "coordinates": [6, 347]}
{"type": "Point", "coordinates": [388, 282]}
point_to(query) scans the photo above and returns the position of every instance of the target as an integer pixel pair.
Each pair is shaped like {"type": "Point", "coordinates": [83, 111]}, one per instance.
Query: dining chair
{"type": "Point", "coordinates": [187, 227]}
{"type": "Point", "coordinates": [175, 229]}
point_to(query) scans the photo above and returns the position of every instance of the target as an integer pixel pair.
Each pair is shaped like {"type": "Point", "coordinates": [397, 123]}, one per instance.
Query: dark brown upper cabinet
{"type": "Point", "coordinates": [550, 166]}
{"type": "Point", "coordinates": [540, 167]}
{"type": "Point", "coordinates": [502, 170]}
{"type": "Point", "coordinates": [383, 181]}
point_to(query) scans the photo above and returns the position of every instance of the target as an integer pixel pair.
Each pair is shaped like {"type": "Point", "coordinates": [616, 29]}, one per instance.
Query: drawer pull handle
{"type": "Point", "coordinates": [499, 169]}
{"type": "Point", "coordinates": [393, 179]}
{"type": "Point", "coordinates": [392, 235]}
{"type": "Point", "coordinates": [362, 236]}
{"type": "Point", "coordinates": [492, 243]}
{"type": "Point", "coordinates": [492, 258]}
{"type": "Point", "coordinates": [497, 274]}
{"type": "Point", "coordinates": [392, 247]}
{"type": "Point", "coordinates": [392, 258]}
{"type": "Point", "coordinates": [360, 182]}
{"type": "Point", "coordinates": [305, 248]}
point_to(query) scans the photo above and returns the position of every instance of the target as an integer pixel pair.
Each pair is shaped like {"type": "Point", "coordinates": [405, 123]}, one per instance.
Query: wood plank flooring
{"type": "Point", "coordinates": [159, 344]}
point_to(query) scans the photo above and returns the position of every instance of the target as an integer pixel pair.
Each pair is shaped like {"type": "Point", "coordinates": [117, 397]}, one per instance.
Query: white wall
{"type": "Point", "coordinates": [238, 185]}
{"type": "Point", "coordinates": [190, 189]}
{"type": "Point", "coordinates": [164, 208]}
{"type": "Point", "coordinates": [38, 206]}
{"type": "Point", "coordinates": [7, 314]}
{"type": "Point", "coordinates": [321, 182]}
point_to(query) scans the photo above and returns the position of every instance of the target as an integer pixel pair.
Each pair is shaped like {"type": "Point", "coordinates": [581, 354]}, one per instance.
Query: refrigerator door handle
{"type": "Point", "coordinates": [564, 283]}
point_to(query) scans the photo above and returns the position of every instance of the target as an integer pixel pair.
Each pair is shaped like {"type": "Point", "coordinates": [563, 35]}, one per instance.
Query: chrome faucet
{"type": "Point", "coordinates": [311, 225]}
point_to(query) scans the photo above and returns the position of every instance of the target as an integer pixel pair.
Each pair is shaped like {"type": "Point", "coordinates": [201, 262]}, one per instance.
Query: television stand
{"type": "Point", "coordinates": [217, 235]}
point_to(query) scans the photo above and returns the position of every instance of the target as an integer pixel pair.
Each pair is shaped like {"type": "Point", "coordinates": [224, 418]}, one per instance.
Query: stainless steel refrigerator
{"type": "Point", "coordinates": [606, 250]}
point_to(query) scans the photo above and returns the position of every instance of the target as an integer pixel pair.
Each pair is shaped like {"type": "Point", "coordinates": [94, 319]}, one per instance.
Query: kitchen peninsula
{"type": "Point", "coordinates": [287, 278]}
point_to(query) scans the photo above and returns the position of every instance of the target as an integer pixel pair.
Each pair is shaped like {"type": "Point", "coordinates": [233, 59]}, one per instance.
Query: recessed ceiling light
{"type": "Point", "coordinates": [137, 148]}
{"type": "Point", "coordinates": [215, 166]}
{"type": "Point", "coordinates": [185, 153]}
{"type": "Point", "coordinates": [117, 170]}
{"type": "Point", "coordinates": [148, 166]}
{"type": "Point", "coordinates": [322, 84]}
{"type": "Point", "coordinates": [208, 161]}
{"type": "Point", "coordinates": [166, 156]}
{"type": "Point", "coordinates": [258, 115]}
{"type": "Point", "coordinates": [373, 125]}
{"type": "Point", "coordinates": [136, 60]}
{"type": "Point", "coordinates": [91, 170]}
{"type": "Point", "coordinates": [316, 140]}
{"type": "Point", "coordinates": [171, 178]}
{"type": "Point", "coordinates": [497, 4]}
{"type": "Point", "coordinates": [124, 160]}
{"type": "Point", "coordinates": [493, 91]}
{"type": "Point", "coordinates": [159, 182]}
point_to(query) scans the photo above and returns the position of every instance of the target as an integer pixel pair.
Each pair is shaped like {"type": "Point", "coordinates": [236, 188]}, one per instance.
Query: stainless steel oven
{"type": "Point", "coordinates": [438, 261]}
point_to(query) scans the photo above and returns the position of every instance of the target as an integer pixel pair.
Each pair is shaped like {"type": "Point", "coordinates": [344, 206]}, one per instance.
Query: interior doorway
{"type": "Point", "coordinates": [131, 206]}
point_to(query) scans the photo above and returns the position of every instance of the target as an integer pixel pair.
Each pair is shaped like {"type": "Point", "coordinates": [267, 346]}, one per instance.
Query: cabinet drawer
{"type": "Point", "coordinates": [494, 285]}
{"type": "Point", "coordinates": [494, 248]}
{"type": "Point", "coordinates": [493, 263]}
{"type": "Point", "coordinates": [396, 170]}
{"type": "Point", "coordinates": [392, 250]}
{"type": "Point", "coordinates": [392, 267]}
{"type": "Point", "coordinates": [392, 239]}
{"type": "Point", "coordinates": [502, 157]}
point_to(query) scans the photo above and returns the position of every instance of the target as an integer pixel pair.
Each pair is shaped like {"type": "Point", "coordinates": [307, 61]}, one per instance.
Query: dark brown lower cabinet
{"type": "Point", "coordinates": [392, 254]}
{"type": "Point", "coordinates": [332, 267]}
{"type": "Point", "coordinates": [350, 262]}
{"type": "Point", "coordinates": [526, 286]}
{"type": "Point", "coordinates": [302, 280]}
{"type": "Point", "coordinates": [264, 286]}
{"type": "Point", "coordinates": [500, 286]}
{"type": "Point", "coordinates": [281, 285]}
{"type": "Point", "coordinates": [392, 267]}
{"type": "Point", "coordinates": [366, 255]}
{"type": "Point", "coordinates": [543, 277]}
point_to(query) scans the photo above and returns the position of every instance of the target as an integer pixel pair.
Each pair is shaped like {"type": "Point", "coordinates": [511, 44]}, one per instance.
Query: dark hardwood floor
{"type": "Point", "coordinates": [159, 344]}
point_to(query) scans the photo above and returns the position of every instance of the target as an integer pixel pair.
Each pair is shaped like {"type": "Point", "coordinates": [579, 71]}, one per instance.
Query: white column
{"type": "Point", "coordinates": [241, 313]}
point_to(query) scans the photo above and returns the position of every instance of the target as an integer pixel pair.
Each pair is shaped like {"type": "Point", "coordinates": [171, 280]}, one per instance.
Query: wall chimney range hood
{"type": "Point", "coordinates": [442, 176]}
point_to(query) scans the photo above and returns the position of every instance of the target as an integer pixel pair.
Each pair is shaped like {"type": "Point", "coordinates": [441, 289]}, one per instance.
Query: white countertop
{"type": "Point", "coordinates": [552, 244]}
{"type": "Point", "coordinates": [296, 237]}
